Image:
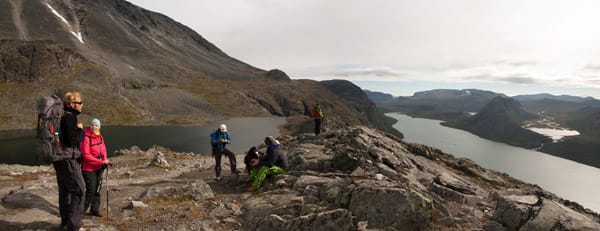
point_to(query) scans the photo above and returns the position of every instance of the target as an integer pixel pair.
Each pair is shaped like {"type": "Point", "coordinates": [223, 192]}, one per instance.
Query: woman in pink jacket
{"type": "Point", "coordinates": [95, 160]}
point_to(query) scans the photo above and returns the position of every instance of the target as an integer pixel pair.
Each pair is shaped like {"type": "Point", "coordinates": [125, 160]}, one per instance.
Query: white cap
{"type": "Point", "coordinates": [223, 128]}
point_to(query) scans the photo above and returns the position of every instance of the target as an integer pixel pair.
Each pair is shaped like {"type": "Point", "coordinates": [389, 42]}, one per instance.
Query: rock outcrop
{"type": "Point", "coordinates": [359, 177]}
{"type": "Point", "coordinates": [355, 178]}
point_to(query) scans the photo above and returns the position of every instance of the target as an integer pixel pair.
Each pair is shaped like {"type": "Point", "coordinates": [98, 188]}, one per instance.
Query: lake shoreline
{"type": "Point", "coordinates": [553, 148]}
{"type": "Point", "coordinates": [19, 148]}
{"type": "Point", "coordinates": [553, 173]}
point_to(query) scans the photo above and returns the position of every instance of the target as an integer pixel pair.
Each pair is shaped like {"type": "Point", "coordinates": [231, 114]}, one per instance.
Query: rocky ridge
{"type": "Point", "coordinates": [354, 178]}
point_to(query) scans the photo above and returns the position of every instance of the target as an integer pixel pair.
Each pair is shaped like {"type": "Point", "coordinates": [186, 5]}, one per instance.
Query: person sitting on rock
{"type": "Point", "coordinates": [275, 162]}
{"type": "Point", "coordinates": [252, 154]}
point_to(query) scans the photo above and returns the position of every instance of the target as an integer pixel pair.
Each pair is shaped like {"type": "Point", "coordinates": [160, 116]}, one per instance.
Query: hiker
{"type": "Point", "coordinates": [317, 114]}
{"type": "Point", "coordinates": [95, 161]}
{"type": "Point", "coordinates": [71, 188]}
{"type": "Point", "coordinates": [251, 155]}
{"type": "Point", "coordinates": [219, 140]}
{"type": "Point", "coordinates": [275, 162]}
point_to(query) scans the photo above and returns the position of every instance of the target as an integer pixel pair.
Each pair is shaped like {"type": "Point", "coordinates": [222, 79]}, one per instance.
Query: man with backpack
{"type": "Point", "coordinates": [71, 187]}
{"type": "Point", "coordinates": [219, 140]}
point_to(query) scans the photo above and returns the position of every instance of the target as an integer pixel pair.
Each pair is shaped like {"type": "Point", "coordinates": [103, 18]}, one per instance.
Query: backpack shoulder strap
{"type": "Point", "coordinates": [91, 144]}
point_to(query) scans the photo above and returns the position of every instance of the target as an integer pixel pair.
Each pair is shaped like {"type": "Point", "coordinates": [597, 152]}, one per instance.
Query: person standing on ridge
{"type": "Point", "coordinates": [275, 162]}
{"type": "Point", "coordinates": [317, 114]}
{"type": "Point", "coordinates": [219, 140]}
{"type": "Point", "coordinates": [71, 187]}
{"type": "Point", "coordinates": [95, 161]}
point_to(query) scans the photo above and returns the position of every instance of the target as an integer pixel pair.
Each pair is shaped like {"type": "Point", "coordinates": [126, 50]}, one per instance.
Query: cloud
{"type": "Point", "coordinates": [593, 82]}
{"type": "Point", "coordinates": [367, 73]}
{"type": "Point", "coordinates": [516, 63]}
{"type": "Point", "coordinates": [518, 80]}
{"type": "Point", "coordinates": [592, 67]}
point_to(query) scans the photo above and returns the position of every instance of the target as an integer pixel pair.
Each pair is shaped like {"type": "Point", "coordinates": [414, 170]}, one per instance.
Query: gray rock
{"type": "Point", "coordinates": [198, 189]}
{"type": "Point", "coordinates": [455, 183]}
{"type": "Point", "coordinates": [494, 226]}
{"type": "Point", "coordinates": [510, 213]}
{"type": "Point", "coordinates": [553, 215]}
{"type": "Point", "coordinates": [25, 199]}
{"type": "Point", "coordinates": [136, 204]}
{"type": "Point", "coordinates": [338, 219]}
{"type": "Point", "coordinates": [159, 160]}
{"type": "Point", "coordinates": [390, 206]}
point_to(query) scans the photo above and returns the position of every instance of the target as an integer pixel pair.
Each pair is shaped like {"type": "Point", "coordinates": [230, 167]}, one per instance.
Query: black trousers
{"type": "Point", "coordinates": [232, 161]}
{"type": "Point", "coordinates": [318, 125]}
{"type": "Point", "coordinates": [93, 184]}
{"type": "Point", "coordinates": [71, 189]}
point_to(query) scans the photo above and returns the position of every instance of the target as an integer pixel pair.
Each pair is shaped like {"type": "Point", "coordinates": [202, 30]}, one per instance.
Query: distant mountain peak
{"type": "Point", "coordinates": [506, 107]}
{"type": "Point", "coordinates": [546, 96]}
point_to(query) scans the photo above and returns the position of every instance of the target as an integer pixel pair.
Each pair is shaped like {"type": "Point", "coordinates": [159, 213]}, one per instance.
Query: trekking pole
{"type": "Point", "coordinates": [107, 191]}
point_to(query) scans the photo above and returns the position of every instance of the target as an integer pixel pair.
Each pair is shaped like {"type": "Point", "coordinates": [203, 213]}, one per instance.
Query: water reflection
{"type": "Point", "coordinates": [18, 147]}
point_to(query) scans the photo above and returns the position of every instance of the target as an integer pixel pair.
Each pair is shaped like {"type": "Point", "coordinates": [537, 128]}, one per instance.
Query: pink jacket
{"type": "Point", "coordinates": [93, 151]}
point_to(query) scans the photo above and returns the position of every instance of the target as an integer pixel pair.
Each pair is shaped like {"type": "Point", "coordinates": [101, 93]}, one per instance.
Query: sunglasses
{"type": "Point", "coordinates": [80, 102]}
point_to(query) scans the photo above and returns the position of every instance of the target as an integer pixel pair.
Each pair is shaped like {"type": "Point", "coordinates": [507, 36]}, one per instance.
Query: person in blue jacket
{"type": "Point", "coordinates": [274, 162]}
{"type": "Point", "coordinates": [219, 140]}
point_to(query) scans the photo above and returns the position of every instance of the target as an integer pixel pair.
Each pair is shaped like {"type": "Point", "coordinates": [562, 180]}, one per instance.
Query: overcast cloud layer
{"type": "Point", "coordinates": [540, 45]}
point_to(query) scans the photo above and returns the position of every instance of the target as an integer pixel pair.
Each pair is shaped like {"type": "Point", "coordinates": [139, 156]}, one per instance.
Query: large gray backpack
{"type": "Point", "coordinates": [50, 111]}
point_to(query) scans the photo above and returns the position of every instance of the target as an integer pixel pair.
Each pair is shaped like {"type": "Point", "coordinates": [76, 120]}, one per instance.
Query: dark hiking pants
{"type": "Point", "coordinates": [318, 126]}
{"type": "Point", "coordinates": [232, 161]}
{"type": "Point", "coordinates": [71, 189]}
{"type": "Point", "coordinates": [93, 185]}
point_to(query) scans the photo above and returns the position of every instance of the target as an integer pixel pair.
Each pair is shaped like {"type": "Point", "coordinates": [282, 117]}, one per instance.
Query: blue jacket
{"type": "Point", "coordinates": [215, 138]}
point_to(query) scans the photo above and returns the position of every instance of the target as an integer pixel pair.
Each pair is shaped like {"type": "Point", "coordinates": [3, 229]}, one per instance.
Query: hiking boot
{"type": "Point", "coordinates": [219, 178]}
{"type": "Point", "coordinates": [236, 171]}
{"type": "Point", "coordinates": [251, 189]}
{"type": "Point", "coordinates": [248, 180]}
{"type": "Point", "coordinates": [96, 214]}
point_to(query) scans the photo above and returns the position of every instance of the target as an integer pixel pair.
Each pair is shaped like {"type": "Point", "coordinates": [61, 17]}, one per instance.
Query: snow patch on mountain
{"type": "Point", "coordinates": [77, 34]}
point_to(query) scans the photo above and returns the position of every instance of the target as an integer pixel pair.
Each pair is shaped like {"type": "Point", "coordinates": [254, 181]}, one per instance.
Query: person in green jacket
{"type": "Point", "coordinates": [274, 162]}
{"type": "Point", "coordinates": [317, 114]}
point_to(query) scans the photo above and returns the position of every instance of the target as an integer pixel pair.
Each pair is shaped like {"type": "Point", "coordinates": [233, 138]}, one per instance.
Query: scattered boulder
{"type": "Point", "coordinates": [136, 204]}
{"type": "Point", "coordinates": [159, 160]}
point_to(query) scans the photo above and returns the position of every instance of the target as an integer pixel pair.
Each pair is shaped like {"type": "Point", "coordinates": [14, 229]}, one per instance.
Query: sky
{"type": "Point", "coordinates": [405, 46]}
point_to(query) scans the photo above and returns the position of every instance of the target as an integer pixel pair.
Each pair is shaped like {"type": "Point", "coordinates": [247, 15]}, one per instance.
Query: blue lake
{"type": "Point", "coordinates": [565, 178]}
{"type": "Point", "coordinates": [18, 147]}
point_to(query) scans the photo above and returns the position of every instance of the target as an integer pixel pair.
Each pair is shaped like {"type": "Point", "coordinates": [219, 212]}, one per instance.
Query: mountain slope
{"type": "Point", "coordinates": [356, 98]}
{"type": "Point", "coordinates": [378, 97]}
{"type": "Point", "coordinates": [501, 120]}
{"type": "Point", "coordinates": [135, 67]}
{"type": "Point", "coordinates": [441, 104]}
{"type": "Point", "coordinates": [582, 148]}
{"type": "Point", "coordinates": [536, 97]}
